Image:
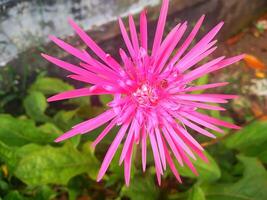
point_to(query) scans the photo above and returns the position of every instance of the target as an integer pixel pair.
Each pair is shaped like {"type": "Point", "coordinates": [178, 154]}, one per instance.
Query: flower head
{"type": "Point", "coordinates": [153, 97]}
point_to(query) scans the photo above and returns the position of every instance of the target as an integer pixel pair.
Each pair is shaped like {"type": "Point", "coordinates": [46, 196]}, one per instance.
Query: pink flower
{"type": "Point", "coordinates": [152, 93]}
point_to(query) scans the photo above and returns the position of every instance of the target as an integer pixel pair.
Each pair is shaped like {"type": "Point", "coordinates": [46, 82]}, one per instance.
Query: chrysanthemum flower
{"type": "Point", "coordinates": [153, 97]}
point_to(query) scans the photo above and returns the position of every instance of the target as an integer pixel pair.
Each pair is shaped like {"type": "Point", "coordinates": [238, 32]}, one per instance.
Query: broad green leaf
{"type": "Point", "coordinates": [141, 188]}
{"type": "Point", "coordinates": [45, 193]}
{"type": "Point", "coordinates": [6, 153]}
{"type": "Point", "coordinates": [207, 171]}
{"type": "Point", "coordinates": [252, 186]}
{"type": "Point", "coordinates": [66, 119]}
{"type": "Point", "coordinates": [55, 165]}
{"type": "Point", "coordinates": [35, 105]}
{"type": "Point", "coordinates": [196, 193]}
{"type": "Point", "coordinates": [249, 139]}
{"type": "Point", "coordinates": [50, 128]}
{"type": "Point", "coordinates": [18, 132]}
{"type": "Point", "coordinates": [48, 85]}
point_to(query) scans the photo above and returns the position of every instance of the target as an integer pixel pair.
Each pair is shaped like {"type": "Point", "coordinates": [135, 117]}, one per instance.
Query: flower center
{"type": "Point", "coordinates": [146, 95]}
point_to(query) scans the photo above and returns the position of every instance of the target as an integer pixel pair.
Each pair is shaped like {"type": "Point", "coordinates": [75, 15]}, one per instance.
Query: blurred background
{"type": "Point", "coordinates": [33, 167]}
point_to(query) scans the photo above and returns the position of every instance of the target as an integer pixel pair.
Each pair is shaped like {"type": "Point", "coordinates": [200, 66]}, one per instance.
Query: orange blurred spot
{"type": "Point", "coordinates": [260, 74]}
{"type": "Point", "coordinates": [254, 62]}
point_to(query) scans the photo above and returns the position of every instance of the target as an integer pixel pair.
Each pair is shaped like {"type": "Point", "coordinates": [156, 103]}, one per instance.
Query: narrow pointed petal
{"type": "Point", "coordinates": [144, 149]}
{"type": "Point", "coordinates": [188, 162]}
{"type": "Point", "coordinates": [70, 49]}
{"type": "Point", "coordinates": [161, 148]}
{"type": "Point", "coordinates": [178, 141]}
{"type": "Point", "coordinates": [172, 146]}
{"type": "Point", "coordinates": [104, 132]}
{"type": "Point", "coordinates": [196, 128]}
{"type": "Point", "coordinates": [160, 26]}
{"type": "Point", "coordinates": [94, 90]}
{"type": "Point", "coordinates": [87, 125]}
{"type": "Point", "coordinates": [188, 41]}
{"type": "Point", "coordinates": [201, 98]}
{"type": "Point", "coordinates": [143, 29]}
{"type": "Point", "coordinates": [111, 151]}
{"type": "Point", "coordinates": [155, 152]}
{"type": "Point", "coordinates": [215, 121]}
{"type": "Point", "coordinates": [126, 39]}
{"type": "Point", "coordinates": [127, 163]}
{"type": "Point", "coordinates": [170, 47]}
{"type": "Point", "coordinates": [204, 87]}
{"type": "Point", "coordinates": [201, 122]}
{"type": "Point", "coordinates": [93, 46]}
{"type": "Point", "coordinates": [127, 143]}
{"type": "Point", "coordinates": [133, 34]}
{"type": "Point", "coordinates": [170, 162]}
{"type": "Point", "coordinates": [202, 105]}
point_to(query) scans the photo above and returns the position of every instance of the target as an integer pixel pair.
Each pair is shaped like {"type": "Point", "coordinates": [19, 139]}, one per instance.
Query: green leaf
{"type": "Point", "coordinates": [6, 153]}
{"type": "Point", "coordinates": [55, 165]}
{"type": "Point", "coordinates": [141, 188]}
{"type": "Point", "coordinates": [263, 156]}
{"type": "Point", "coordinates": [105, 99]}
{"type": "Point", "coordinates": [252, 186]}
{"type": "Point", "coordinates": [14, 195]}
{"type": "Point", "coordinates": [196, 193]}
{"type": "Point", "coordinates": [45, 193]}
{"type": "Point", "coordinates": [249, 139]}
{"type": "Point", "coordinates": [48, 85]}
{"type": "Point", "coordinates": [66, 119]}
{"type": "Point", "coordinates": [18, 132]}
{"type": "Point", "coordinates": [207, 171]}
{"type": "Point", "coordinates": [35, 105]}
{"type": "Point", "coordinates": [201, 81]}
{"type": "Point", "coordinates": [50, 128]}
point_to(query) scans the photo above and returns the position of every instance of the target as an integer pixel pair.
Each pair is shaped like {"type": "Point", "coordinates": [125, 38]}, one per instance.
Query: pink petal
{"type": "Point", "coordinates": [94, 47]}
{"type": "Point", "coordinates": [104, 132]}
{"type": "Point", "coordinates": [200, 105]}
{"type": "Point", "coordinates": [126, 39]}
{"type": "Point", "coordinates": [143, 29]}
{"type": "Point", "coordinates": [144, 149]}
{"type": "Point", "coordinates": [127, 164]}
{"type": "Point", "coordinates": [111, 151]}
{"type": "Point", "coordinates": [68, 48]}
{"type": "Point", "coordinates": [215, 121]}
{"type": "Point", "coordinates": [202, 44]}
{"type": "Point", "coordinates": [172, 146]}
{"type": "Point", "coordinates": [204, 87]}
{"type": "Point", "coordinates": [196, 128]}
{"type": "Point", "coordinates": [160, 26]}
{"type": "Point", "coordinates": [192, 59]}
{"type": "Point", "coordinates": [201, 122]}
{"type": "Point", "coordinates": [201, 98]}
{"type": "Point", "coordinates": [188, 41]}
{"type": "Point", "coordinates": [170, 162]}
{"type": "Point", "coordinates": [192, 75]}
{"type": "Point", "coordinates": [161, 148]}
{"type": "Point", "coordinates": [127, 143]}
{"type": "Point", "coordinates": [88, 125]}
{"type": "Point", "coordinates": [133, 34]}
{"type": "Point", "coordinates": [170, 46]}
{"type": "Point", "coordinates": [178, 141]}
{"type": "Point", "coordinates": [187, 161]}
{"type": "Point", "coordinates": [155, 152]}
{"type": "Point", "coordinates": [94, 90]}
